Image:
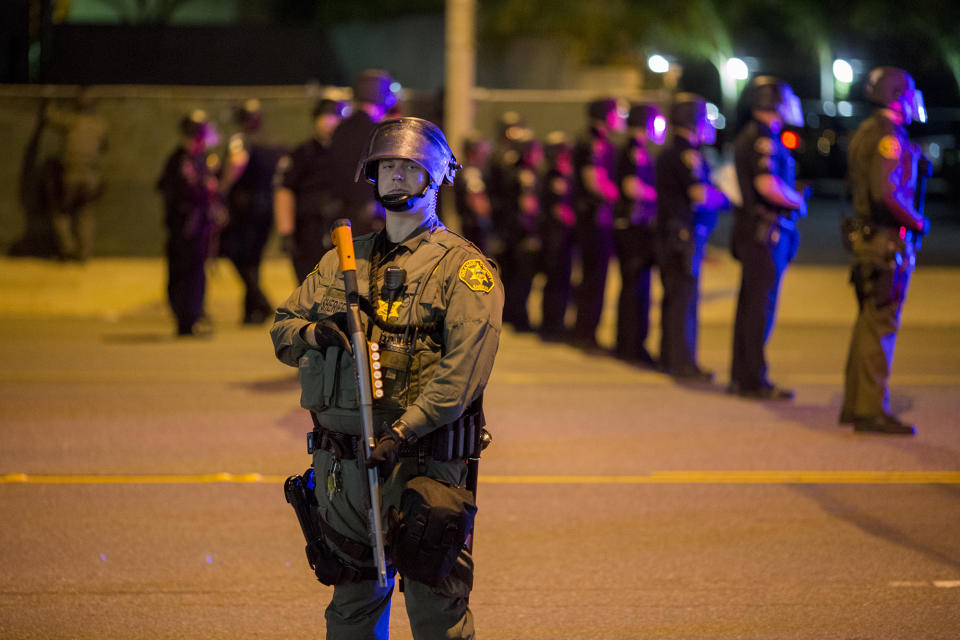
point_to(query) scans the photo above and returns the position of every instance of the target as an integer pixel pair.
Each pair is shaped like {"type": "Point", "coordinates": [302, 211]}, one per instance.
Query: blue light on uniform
{"type": "Point", "coordinates": [395, 87]}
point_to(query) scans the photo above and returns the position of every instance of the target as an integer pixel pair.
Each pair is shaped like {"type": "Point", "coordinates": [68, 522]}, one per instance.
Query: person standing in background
{"type": "Point", "coordinates": [84, 134]}
{"type": "Point", "coordinates": [634, 224]}
{"type": "Point", "coordinates": [246, 184]}
{"type": "Point", "coordinates": [595, 193]}
{"type": "Point", "coordinates": [303, 205]}
{"type": "Point", "coordinates": [194, 213]}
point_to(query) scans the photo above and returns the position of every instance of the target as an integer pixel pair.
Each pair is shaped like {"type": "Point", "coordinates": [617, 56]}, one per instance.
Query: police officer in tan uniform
{"type": "Point", "coordinates": [883, 176]}
{"type": "Point", "coordinates": [84, 141]}
{"type": "Point", "coordinates": [435, 310]}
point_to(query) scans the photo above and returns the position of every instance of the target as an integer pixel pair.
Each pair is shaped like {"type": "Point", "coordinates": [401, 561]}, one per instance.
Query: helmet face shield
{"type": "Point", "coordinates": [706, 132]}
{"type": "Point", "coordinates": [657, 129]}
{"type": "Point", "coordinates": [789, 108]}
{"type": "Point", "coordinates": [915, 109]}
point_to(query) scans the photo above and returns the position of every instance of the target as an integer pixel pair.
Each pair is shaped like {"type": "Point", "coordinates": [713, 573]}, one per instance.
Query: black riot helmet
{"type": "Point", "coordinates": [649, 118]}
{"type": "Point", "coordinates": [248, 115]}
{"type": "Point", "coordinates": [328, 107]}
{"type": "Point", "coordinates": [411, 139]}
{"type": "Point", "coordinates": [555, 145]}
{"type": "Point", "coordinates": [375, 86]}
{"type": "Point", "coordinates": [689, 111]}
{"type": "Point", "coordinates": [896, 89]}
{"type": "Point", "coordinates": [767, 93]}
{"type": "Point", "coordinates": [197, 126]}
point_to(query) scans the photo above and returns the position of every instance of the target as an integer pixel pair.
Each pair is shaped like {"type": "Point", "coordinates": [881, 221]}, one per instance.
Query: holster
{"type": "Point", "coordinates": [329, 568]}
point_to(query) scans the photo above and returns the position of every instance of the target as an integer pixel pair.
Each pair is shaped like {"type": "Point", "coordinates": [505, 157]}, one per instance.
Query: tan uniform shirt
{"type": "Point", "coordinates": [448, 282]}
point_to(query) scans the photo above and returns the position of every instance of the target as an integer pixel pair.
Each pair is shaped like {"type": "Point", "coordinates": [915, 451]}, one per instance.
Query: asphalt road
{"type": "Point", "coordinates": [613, 503]}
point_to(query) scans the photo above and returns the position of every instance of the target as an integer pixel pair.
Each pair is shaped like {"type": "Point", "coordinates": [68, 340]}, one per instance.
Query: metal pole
{"type": "Point", "coordinates": [460, 71]}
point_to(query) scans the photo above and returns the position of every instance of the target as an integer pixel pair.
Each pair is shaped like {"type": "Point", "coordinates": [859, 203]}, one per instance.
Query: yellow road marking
{"type": "Point", "coordinates": [655, 477]}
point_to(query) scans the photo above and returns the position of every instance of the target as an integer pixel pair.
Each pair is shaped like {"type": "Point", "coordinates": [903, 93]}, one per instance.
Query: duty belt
{"type": "Point", "coordinates": [459, 439]}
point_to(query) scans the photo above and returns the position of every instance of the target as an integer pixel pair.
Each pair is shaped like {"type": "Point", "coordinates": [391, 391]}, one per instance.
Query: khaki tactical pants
{"type": "Point", "coordinates": [362, 610]}
{"type": "Point", "coordinates": [881, 274]}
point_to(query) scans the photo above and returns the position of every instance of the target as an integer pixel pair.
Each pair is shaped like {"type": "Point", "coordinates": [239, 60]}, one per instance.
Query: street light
{"type": "Point", "coordinates": [658, 64]}
{"type": "Point", "coordinates": [737, 69]}
{"type": "Point", "coordinates": [842, 71]}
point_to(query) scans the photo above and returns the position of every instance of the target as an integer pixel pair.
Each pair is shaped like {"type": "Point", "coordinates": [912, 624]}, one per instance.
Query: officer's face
{"type": "Point", "coordinates": [398, 175]}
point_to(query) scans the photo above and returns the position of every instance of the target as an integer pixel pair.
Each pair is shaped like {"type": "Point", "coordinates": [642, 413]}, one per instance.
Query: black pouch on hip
{"type": "Point", "coordinates": [429, 531]}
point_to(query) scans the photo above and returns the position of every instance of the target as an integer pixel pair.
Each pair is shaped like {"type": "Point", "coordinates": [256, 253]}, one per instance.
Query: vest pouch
{"type": "Point", "coordinates": [395, 366]}
{"type": "Point", "coordinates": [345, 379]}
{"type": "Point", "coordinates": [429, 531]}
{"type": "Point", "coordinates": [317, 378]}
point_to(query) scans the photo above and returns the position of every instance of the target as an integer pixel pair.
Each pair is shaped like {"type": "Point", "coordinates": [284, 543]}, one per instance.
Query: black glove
{"type": "Point", "coordinates": [386, 450]}
{"type": "Point", "coordinates": [288, 244]}
{"type": "Point", "coordinates": [328, 334]}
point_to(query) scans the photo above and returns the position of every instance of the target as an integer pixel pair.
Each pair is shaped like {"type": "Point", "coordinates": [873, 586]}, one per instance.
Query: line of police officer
{"type": "Point", "coordinates": [599, 200]}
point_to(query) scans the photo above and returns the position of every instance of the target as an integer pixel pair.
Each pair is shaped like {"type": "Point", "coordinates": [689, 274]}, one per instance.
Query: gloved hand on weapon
{"type": "Point", "coordinates": [326, 333]}
{"type": "Point", "coordinates": [386, 450]}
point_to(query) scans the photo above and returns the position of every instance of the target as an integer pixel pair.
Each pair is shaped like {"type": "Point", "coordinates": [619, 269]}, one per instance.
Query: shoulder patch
{"type": "Point", "coordinates": [763, 145]}
{"type": "Point", "coordinates": [890, 147]}
{"type": "Point", "coordinates": [475, 274]}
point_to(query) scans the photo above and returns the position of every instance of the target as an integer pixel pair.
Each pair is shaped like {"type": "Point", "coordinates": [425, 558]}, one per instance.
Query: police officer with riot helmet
{"type": "Point", "coordinates": [434, 309]}
{"type": "Point", "coordinates": [634, 221]}
{"type": "Point", "coordinates": [885, 172]}
{"type": "Point", "coordinates": [595, 158]}
{"type": "Point", "coordinates": [194, 214]}
{"type": "Point", "coordinates": [303, 206]}
{"type": "Point", "coordinates": [373, 97]}
{"type": "Point", "coordinates": [470, 191]}
{"type": "Point", "coordinates": [557, 230]}
{"type": "Point", "coordinates": [765, 237]}
{"type": "Point", "coordinates": [246, 183]}
{"type": "Point", "coordinates": [522, 209]}
{"type": "Point", "coordinates": [687, 207]}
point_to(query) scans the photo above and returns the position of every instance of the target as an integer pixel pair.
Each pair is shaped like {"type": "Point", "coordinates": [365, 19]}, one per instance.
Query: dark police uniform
{"type": "Point", "coordinates": [433, 377]}
{"type": "Point", "coordinates": [883, 261]}
{"type": "Point", "coordinates": [471, 185]}
{"type": "Point", "coordinates": [250, 203]}
{"type": "Point", "coordinates": [765, 240]}
{"type": "Point", "coordinates": [307, 173]}
{"type": "Point", "coordinates": [193, 215]}
{"type": "Point", "coordinates": [636, 246]}
{"type": "Point", "coordinates": [353, 200]}
{"type": "Point", "coordinates": [557, 224]}
{"type": "Point", "coordinates": [683, 235]}
{"type": "Point", "coordinates": [522, 207]}
{"type": "Point", "coordinates": [594, 232]}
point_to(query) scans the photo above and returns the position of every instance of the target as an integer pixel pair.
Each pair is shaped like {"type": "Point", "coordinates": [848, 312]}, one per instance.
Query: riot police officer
{"type": "Point", "coordinates": [557, 228]}
{"type": "Point", "coordinates": [247, 186]}
{"type": "Point", "coordinates": [522, 209]}
{"type": "Point", "coordinates": [303, 203]}
{"type": "Point", "coordinates": [194, 214]}
{"type": "Point", "coordinates": [634, 219]}
{"type": "Point", "coordinates": [470, 191]}
{"type": "Point", "coordinates": [765, 237]}
{"type": "Point", "coordinates": [435, 310]}
{"type": "Point", "coordinates": [595, 193]}
{"type": "Point", "coordinates": [884, 169]}
{"type": "Point", "coordinates": [687, 207]}
{"type": "Point", "coordinates": [373, 96]}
